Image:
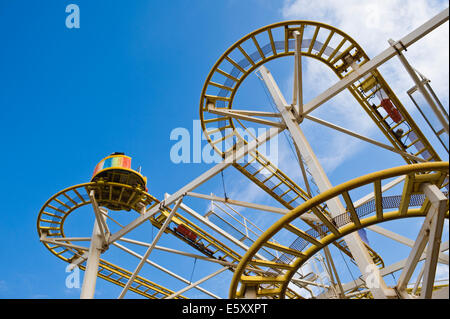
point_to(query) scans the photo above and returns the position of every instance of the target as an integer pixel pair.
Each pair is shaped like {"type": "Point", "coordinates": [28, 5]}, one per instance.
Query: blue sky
{"type": "Point", "coordinates": [123, 81]}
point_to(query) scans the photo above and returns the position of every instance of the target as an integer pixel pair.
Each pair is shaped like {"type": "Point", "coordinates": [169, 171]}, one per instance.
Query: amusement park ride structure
{"type": "Point", "coordinates": [261, 266]}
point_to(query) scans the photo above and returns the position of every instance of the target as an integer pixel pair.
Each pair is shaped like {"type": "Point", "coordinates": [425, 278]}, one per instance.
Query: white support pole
{"type": "Point", "coordinates": [443, 258]}
{"type": "Point", "coordinates": [183, 253]}
{"type": "Point", "coordinates": [418, 281]}
{"type": "Point", "coordinates": [99, 211]}
{"type": "Point", "coordinates": [195, 284]}
{"type": "Point", "coordinates": [384, 188]}
{"type": "Point", "coordinates": [236, 115]}
{"type": "Point", "coordinates": [363, 138]}
{"type": "Point", "coordinates": [241, 152]}
{"type": "Point", "coordinates": [412, 73]}
{"type": "Point", "coordinates": [333, 270]}
{"type": "Point", "coordinates": [415, 254]}
{"type": "Point", "coordinates": [217, 229]}
{"type": "Point", "coordinates": [306, 283]}
{"type": "Point", "coordinates": [150, 249]}
{"type": "Point", "coordinates": [438, 203]}
{"type": "Point", "coordinates": [247, 112]}
{"type": "Point", "coordinates": [44, 239]}
{"type": "Point", "coordinates": [387, 270]}
{"type": "Point", "coordinates": [378, 60]}
{"type": "Point", "coordinates": [72, 239]}
{"type": "Point", "coordinates": [93, 260]}
{"type": "Point", "coordinates": [303, 169]}
{"type": "Point", "coordinates": [298, 81]}
{"type": "Point", "coordinates": [430, 232]}
{"type": "Point", "coordinates": [354, 242]}
{"type": "Point", "coordinates": [265, 208]}
{"type": "Point", "coordinates": [131, 252]}
{"type": "Point", "coordinates": [250, 292]}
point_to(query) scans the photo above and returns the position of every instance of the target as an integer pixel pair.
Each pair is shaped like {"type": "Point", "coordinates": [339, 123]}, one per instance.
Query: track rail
{"type": "Point", "coordinates": [55, 211]}
{"type": "Point", "coordinates": [340, 53]}
{"type": "Point", "coordinates": [283, 270]}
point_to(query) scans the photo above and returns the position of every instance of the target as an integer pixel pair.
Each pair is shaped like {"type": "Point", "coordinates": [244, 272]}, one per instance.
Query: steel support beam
{"type": "Point", "coordinates": [354, 242]}
{"type": "Point", "coordinates": [363, 138]}
{"type": "Point", "coordinates": [195, 284]}
{"type": "Point", "coordinates": [229, 160]}
{"type": "Point", "coordinates": [412, 73]}
{"type": "Point", "coordinates": [44, 239]}
{"type": "Point", "coordinates": [150, 249]}
{"type": "Point", "coordinates": [148, 261]}
{"type": "Point", "coordinates": [378, 60]}
{"type": "Point", "coordinates": [231, 113]}
{"type": "Point", "coordinates": [298, 81]}
{"type": "Point", "coordinates": [214, 227]}
{"type": "Point", "coordinates": [178, 252]}
{"type": "Point", "coordinates": [443, 258]}
{"type": "Point", "coordinates": [416, 252]}
{"type": "Point", "coordinates": [332, 267]}
{"type": "Point", "coordinates": [438, 203]}
{"type": "Point", "coordinates": [384, 188]}
{"type": "Point", "coordinates": [93, 260]}
{"type": "Point", "coordinates": [430, 233]}
{"type": "Point", "coordinates": [266, 208]}
{"type": "Point", "coordinates": [250, 292]}
{"type": "Point", "coordinates": [99, 211]}
{"type": "Point", "coordinates": [399, 265]}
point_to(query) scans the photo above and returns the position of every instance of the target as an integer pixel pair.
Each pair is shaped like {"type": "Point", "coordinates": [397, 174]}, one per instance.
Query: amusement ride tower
{"type": "Point", "coordinates": [262, 266]}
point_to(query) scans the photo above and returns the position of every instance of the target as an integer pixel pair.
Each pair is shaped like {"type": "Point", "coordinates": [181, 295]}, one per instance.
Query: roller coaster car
{"type": "Point", "coordinates": [391, 110]}
{"type": "Point", "coordinates": [187, 233]}
{"type": "Point", "coordinates": [116, 168]}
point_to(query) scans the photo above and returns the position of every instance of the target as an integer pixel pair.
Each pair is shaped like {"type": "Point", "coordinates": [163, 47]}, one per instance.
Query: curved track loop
{"type": "Point", "coordinates": [53, 214]}
{"type": "Point", "coordinates": [341, 54]}
{"type": "Point", "coordinates": [279, 274]}
{"type": "Point", "coordinates": [338, 51]}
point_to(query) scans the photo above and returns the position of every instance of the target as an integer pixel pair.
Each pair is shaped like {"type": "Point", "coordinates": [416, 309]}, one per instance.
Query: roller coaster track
{"type": "Point", "coordinates": [50, 226]}
{"type": "Point", "coordinates": [280, 272]}
{"type": "Point", "coordinates": [340, 53]}
{"type": "Point", "coordinates": [53, 214]}
{"type": "Point", "coordinates": [223, 81]}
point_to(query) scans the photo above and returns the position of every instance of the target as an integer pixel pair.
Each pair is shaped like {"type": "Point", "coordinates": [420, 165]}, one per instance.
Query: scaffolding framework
{"type": "Point", "coordinates": [261, 266]}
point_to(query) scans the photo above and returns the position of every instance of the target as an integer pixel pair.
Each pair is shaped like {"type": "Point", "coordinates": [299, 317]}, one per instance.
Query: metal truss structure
{"type": "Point", "coordinates": [261, 265]}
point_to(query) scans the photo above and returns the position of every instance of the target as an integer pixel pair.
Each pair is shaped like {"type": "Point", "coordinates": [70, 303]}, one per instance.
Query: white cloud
{"type": "Point", "coordinates": [371, 25]}
{"type": "Point", "coordinates": [331, 148]}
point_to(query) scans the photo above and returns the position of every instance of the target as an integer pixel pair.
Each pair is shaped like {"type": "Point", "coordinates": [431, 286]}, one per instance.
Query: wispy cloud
{"type": "Point", "coordinates": [371, 25]}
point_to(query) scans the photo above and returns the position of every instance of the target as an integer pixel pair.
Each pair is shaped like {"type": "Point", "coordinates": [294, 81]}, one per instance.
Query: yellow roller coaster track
{"type": "Point", "coordinates": [276, 41]}
{"type": "Point", "coordinates": [416, 175]}
{"type": "Point", "coordinates": [55, 211]}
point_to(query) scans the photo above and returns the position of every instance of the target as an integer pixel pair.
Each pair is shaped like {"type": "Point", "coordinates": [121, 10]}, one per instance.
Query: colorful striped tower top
{"type": "Point", "coordinates": [113, 161]}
